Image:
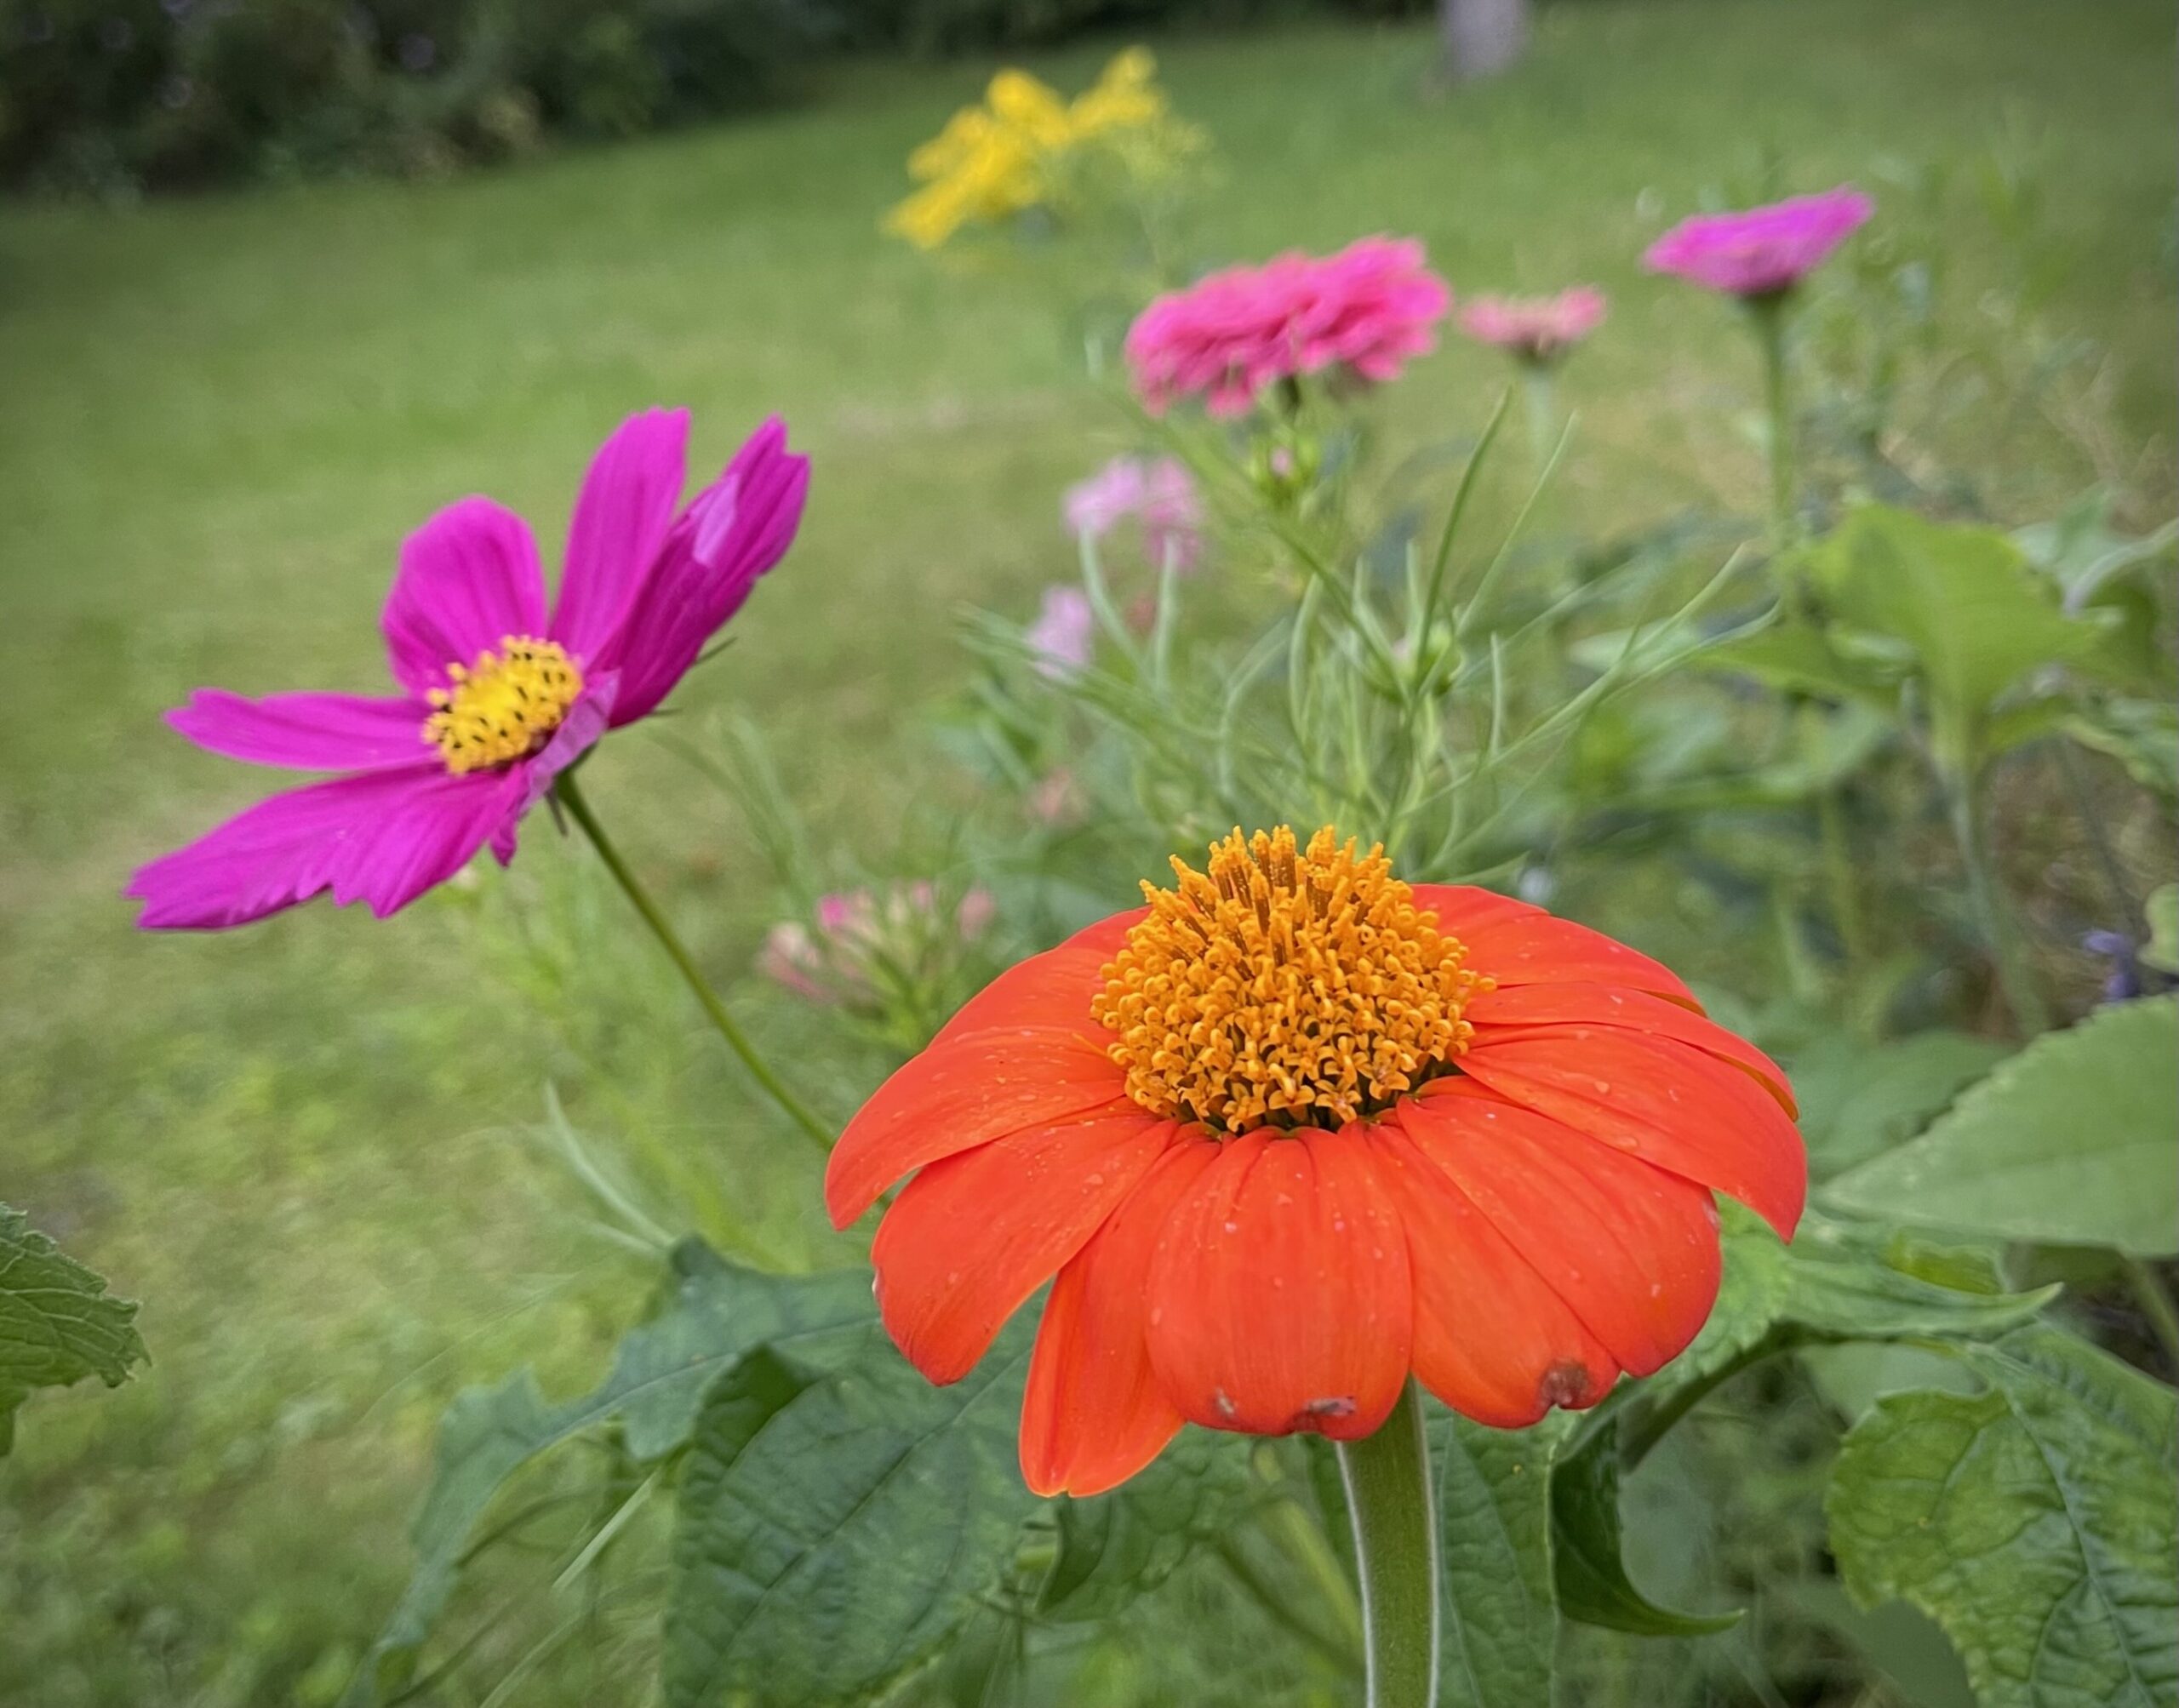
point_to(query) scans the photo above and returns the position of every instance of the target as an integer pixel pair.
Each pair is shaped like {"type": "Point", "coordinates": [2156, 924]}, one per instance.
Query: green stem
{"type": "Point", "coordinates": [1388, 1477]}
{"type": "Point", "coordinates": [2155, 1300]}
{"type": "Point", "coordinates": [1541, 410]}
{"type": "Point", "coordinates": [1770, 314]}
{"type": "Point", "coordinates": [2030, 1015]}
{"type": "Point", "coordinates": [570, 796]}
{"type": "Point", "coordinates": [1640, 1433]}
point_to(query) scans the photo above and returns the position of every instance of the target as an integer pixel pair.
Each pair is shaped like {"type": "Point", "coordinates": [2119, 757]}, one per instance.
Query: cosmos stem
{"type": "Point", "coordinates": [569, 795]}
{"type": "Point", "coordinates": [1388, 1496]}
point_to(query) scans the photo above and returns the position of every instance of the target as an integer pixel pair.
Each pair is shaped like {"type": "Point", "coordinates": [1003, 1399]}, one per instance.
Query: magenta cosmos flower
{"type": "Point", "coordinates": [496, 697]}
{"type": "Point", "coordinates": [1760, 251]}
{"type": "Point", "coordinates": [1363, 311]}
{"type": "Point", "coordinates": [1535, 328]}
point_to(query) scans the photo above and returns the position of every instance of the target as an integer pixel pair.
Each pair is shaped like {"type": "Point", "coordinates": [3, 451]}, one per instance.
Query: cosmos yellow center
{"type": "Point", "coordinates": [504, 706]}
{"type": "Point", "coordinates": [1285, 987]}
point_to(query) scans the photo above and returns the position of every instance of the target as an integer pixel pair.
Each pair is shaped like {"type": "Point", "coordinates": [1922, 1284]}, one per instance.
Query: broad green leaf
{"type": "Point", "coordinates": [2073, 1141]}
{"type": "Point", "coordinates": [713, 1313]}
{"type": "Point", "coordinates": [2034, 1521]}
{"type": "Point", "coordinates": [1859, 1099]}
{"type": "Point", "coordinates": [2161, 909]}
{"type": "Point", "coordinates": [2140, 734]}
{"type": "Point", "coordinates": [1499, 1613]}
{"type": "Point", "coordinates": [1115, 1547]}
{"type": "Point", "coordinates": [58, 1323]}
{"type": "Point", "coordinates": [1588, 1567]}
{"type": "Point", "coordinates": [1794, 658]}
{"type": "Point", "coordinates": [1964, 600]}
{"type": "Point", "coordinates": [838, 1526]}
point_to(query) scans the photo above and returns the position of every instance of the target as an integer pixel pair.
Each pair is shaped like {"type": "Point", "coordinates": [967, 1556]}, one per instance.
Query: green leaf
{"type": "Point", "coordinates": [2073, 1141]}
{"type": "Point", "coordinates": [714, 1312]}
{"type": "Point", "coordinates": [2034, 1521]}
{"type": "Point", "coordinates": [58, 1324]}
{"type": "Point", "coordinates": [1115, 1547]}
{"type": "Point", "coordinates": [837, 1527]}
{"type": "Point", "coordinates": [1797, 659]}
{"type": "Point", "coordinates": [2161, 909]}
{"type": "Point", "coordinates": [1588, 1566]}
{"type": "Point", "coordinates": [1498, 1612]}
{"type": "Point", "coordinates": [1859, 1099]}
{"type": "Point", "coordinates": [2140, 734]}
{"type": "Point", "coordinates": [1964, 601]}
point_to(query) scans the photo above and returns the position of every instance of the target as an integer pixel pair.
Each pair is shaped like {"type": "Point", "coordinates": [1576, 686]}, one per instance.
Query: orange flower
{"type": "Point", "coordinates": [1297, 1128]}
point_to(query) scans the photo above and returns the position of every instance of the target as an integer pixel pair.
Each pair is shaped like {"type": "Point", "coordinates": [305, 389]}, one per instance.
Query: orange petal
{"type": "Point", "coordinates": [1093, 1413]}
{"type": "Point", "coordinates": [1512, 942]}
{"type": "Point", "coordinates": [1633, 1250]}
{"type": "Point", "coordinates": [973, 1236]}
{"type": "Point", "coordinates": [1671, 1104]}
{"type": "Point", "coordinates": [961, 1093]}
{"type": "Point", "coordinates": [1052, 989]}
{"type": "Point", "coordinates": [1280, 1295]}
{"type": "Point", "coordinates": [1492, 1339]}
{"type": "Point", "coordinates": [1533, 1010]}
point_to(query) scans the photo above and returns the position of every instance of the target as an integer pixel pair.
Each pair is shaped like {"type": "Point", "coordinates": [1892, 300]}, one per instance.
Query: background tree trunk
{"type": "Point", "coordinates": [1482, 38]}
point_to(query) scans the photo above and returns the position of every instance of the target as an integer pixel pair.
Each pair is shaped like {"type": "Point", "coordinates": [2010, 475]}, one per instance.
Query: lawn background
{"type": "Point", "coordinates": [218, 418]}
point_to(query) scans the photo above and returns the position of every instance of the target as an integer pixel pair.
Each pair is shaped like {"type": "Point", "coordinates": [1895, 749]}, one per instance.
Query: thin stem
{"type": "Point", "coordinates": [2030, 1014]}
{"type": "Point", "coordinates": [1389, 1493]}
{"type": "Point", "coordinates": [1541, 409]}
{"type": "Point", "coordinates": [1640, 1433]}
{"type": "Point", "coordinates": [570, 796]}
{"type": "Point", "coordinates": [1770, 314]}
{"type": "Point", "coordinates": [2155, 1300]}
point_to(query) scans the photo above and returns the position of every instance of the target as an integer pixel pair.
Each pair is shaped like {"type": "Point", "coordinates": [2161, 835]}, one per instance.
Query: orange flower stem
{"type": "Point", "coordinates": [569, 796]}
{"type": "Point", "coordinates": [1388, 1496]}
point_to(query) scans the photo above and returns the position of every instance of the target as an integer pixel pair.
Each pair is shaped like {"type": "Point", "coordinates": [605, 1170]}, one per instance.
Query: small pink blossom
{"type": "Point", "coordinates": [1064, 632]}
{"type": "Point", "coordinates": [832, 963]}
{"type": "Point", "coordinates": [1157, 492]}
{"type": "Point", "coordinates": [1760, 251]}
{"type": "Point", "coordinates": [1057, 798]}
{"type": "Point", "coordinates": [1363, 311]}
{"type": "Point", "coordinates": [1541, 329]}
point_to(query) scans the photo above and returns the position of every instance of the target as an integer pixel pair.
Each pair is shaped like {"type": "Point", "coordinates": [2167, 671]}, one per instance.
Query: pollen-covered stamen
{"type": "Point", "coordinates": [504, 706]}
{"type": "Point", "coordinates": [1286, 987]}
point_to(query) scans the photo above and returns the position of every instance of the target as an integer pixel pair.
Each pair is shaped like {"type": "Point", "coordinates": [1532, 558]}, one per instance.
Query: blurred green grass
{"type": "Point", "coordinates": [219, 417]}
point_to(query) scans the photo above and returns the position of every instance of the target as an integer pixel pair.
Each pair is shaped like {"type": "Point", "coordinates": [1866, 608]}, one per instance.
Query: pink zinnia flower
{"type": "Point", "coordinates": [1760, 251]}
{"type": "Point", "coordinates": [1535, 328]}
{"type": "Point", "coordinates": [497, 698]}
{"type": "Point", "coordinates": [1364, 311]}
{"type": "Point", "coordinates": [1157, 492]}
{"type": "Point", "coordinates": [1064, 632]}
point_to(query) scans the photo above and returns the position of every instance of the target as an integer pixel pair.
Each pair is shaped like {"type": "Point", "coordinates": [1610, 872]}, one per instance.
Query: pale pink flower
{"type": "Point", "coordinates": [1535, 328]}
{"type": "Point", "coordinates": [1064, 632]}
{"type": "Point", "coordinates": [855, 929]}
{"type": "Point", "coordinates": [1057, 798]}
{"type": "Point", "coordinates": [1157, 492]}
{"type": "Point", "coordinates": [1760, 252]}
{"type": "Point", "coordinates": [1363, 311]}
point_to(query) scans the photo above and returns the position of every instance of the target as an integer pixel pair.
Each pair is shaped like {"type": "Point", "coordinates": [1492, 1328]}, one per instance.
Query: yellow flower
{"type": "Point", "coordinates": [1025, 147]}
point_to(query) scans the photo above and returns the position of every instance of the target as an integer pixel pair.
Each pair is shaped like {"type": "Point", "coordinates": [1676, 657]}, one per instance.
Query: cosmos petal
{"type": "Point", "coordinates": [620, 520]}
{"type": "Point", "coordinates": [1668, 1103]}
{"type": "Point", "coordinates": [960, 1093]}
{"type": "Point", "coordinates": [1631, 1249]}
{"type": "Point", "coordinates": [1280, 1296]}
{"type": "Point", "coordinates": [468, 578]}
{"type": "Point", "coordinates": [307, 731]}
{"type": "Point", "coordinates": [383, 837]}
{"type": "Point", "coordinates": [1566, 1011]}
{"type": "Point", "coordinates": [973, 1235]}
{"type": "Point", "coordinates": [1093, 1413]}
{"type": "Point", "coordinates": [1492, 1339]}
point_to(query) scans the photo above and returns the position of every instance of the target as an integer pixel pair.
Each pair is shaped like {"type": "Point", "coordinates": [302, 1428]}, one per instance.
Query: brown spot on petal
{"type": "Point", "coordinates": [1565, 1383]}
{"type": "Point", "coordinates": [1317, 1413]}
